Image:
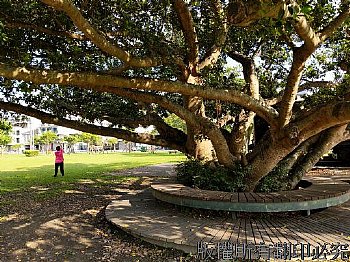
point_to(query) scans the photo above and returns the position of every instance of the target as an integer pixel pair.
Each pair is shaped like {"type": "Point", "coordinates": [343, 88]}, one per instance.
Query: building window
{"type": "Point", "coordinates": [17, 140]}
{"type": "Point", "coordinates": [17, 133]}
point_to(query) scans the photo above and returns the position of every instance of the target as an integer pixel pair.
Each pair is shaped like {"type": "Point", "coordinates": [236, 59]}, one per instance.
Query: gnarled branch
{"type": "Point", "coordinates": [311, 41]}
{"type": "Point", "coordinates": [335, 24]}
{"type": "Point", "coordinates": [212, 56]}
{"type": "Point", "coordinates": [111, 84]}
{"type": "Point", "coordinates": [322, 118]}
{"type": "Point", "coordinates": [91, 128]}
{"type": "Point", "coordinates": [98, 39]}
{"type": "Point", "coordinates": [188, 29]}
{"type": "Point", "coordinates": [245, 12]}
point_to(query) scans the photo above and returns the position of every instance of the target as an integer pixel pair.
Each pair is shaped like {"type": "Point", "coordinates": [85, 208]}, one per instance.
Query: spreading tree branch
{"type": "Point", "coordinates": [314, 148]}
{"type": "Point", "coordinates": [317, 84]}
{"type": "Point", "coordinates": [335, 24]}
{"type": "Point", "coordinates": [201, 123]}
{"type": "Point", "coordinates": [222, 28]}
{"type": "Point", "coordinates": [322, 118]}
{"type": "Point", "coordinates": [111, 84]}
{"type": "Point", "coordinates": [98, 39]}
{"type": "Point", "coordinates": [163, 128]}
{"type": "Point", "coordinates": [90, 128]}
{"type": "Point", "coordinates": [245, 12]}
{"type": "Point", "coordinates": [249, 72]}
{"type": "Point", "coordinates": [311, 41]}
{"type": "Point", "coordinates": [188, 29]}
{"type": "Point", "coordinates": [242, 135]}
{"type": "Point", "coordinates": [306, 32]}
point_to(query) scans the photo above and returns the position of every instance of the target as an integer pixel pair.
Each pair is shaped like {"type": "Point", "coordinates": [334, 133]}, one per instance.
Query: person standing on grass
{"type": "Point", "coordinates": [59, 160]}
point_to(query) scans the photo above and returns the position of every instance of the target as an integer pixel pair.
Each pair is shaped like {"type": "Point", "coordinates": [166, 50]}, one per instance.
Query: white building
{"type": "Point", "coordinates": [22, 135]}
{"type": "Point", "coordinates": [24, 131]}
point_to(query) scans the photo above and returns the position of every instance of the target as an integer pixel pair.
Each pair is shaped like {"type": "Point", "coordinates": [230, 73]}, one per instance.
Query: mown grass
{"type": "Point", "coordinates": [18, 172]}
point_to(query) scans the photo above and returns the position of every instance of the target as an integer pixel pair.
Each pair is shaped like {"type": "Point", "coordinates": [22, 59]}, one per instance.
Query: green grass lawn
{"type": "Point", "coordinates": [18, 172]}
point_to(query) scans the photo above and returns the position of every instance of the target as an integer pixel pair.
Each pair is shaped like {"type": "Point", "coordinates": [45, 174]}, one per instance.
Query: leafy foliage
{"type": "Point", "coordinates": [31, 153]}
{"type": "Point", "coordinates": [5, 137]}
{"type": "Point", "coordinates": [274, 181]}
{"type": "Point", "coordinates": [90, 138]}
{"type": "Point", "coordinates": [195, 174]}
{"type": "Point", "coordinates": [46, 138]}
{"type": "Point", "coordinates": [5, 127]}
{"type": "Point", "coordinates": [176, 122]}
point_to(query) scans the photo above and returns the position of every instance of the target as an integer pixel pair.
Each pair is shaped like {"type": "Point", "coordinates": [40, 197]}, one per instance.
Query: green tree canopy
{"type": "Point", "coordinates": [72, 140]}
{"type": "Point", "coordinates": [90, 139]}
{"type": "Point", "coordinates": [5, 127]}
{"type": "Point", "coordinates": [5, 131]}
{"type": "Point", "coordinates": [107, 67]}
{"type": "Point", "coordinates": [112, 142]}
{"type": "Point", "coordinates": [46, 139]}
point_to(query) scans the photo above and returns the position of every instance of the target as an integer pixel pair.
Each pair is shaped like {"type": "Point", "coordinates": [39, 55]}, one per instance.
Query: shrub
{"type": "Point", "coordinates": [31, 153]}
{"type": "Point", "coordinates": [274, 181]}
{"type": "Point", "coordinates": [143, 149]}
{"type": "Point", "coordinates": [195, 174]}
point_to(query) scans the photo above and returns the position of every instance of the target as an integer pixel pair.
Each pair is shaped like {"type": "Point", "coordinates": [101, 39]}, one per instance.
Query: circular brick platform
{"type": "Point", "coordinates": [141, 215]}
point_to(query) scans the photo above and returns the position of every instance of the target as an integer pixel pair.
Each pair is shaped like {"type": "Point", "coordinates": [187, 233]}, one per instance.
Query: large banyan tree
{"type": "Point", "coordinates": [259, 84]}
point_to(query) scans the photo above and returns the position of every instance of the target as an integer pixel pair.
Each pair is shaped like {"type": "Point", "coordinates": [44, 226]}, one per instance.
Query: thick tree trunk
{"type": "Point", "coordinates": [279, 178]}
{"type": "Point", "coordinates": [296, 160]}
{"type": "Point", "coordinates": [198, 146]}
{"type": "Point", "coordinates": [204, 150]}
{"type": "Point", "coordinates": [327, 140]}
{"type": "Point", "coordinates": [242, 137]}
{"type": "Point", "coordinates": [265, 161]}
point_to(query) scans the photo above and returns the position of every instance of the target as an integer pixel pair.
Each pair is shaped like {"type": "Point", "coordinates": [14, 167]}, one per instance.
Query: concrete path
{"type": "Point", "coordinates": [160, 170]}
{"type": "Point", "coordinates": [193, 231]}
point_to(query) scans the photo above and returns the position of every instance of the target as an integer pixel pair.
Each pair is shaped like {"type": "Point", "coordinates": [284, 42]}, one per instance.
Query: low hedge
{"type": "Point", "coordinates": [195, 174]}
{"type": "Point", "coordinates": [30, 153]}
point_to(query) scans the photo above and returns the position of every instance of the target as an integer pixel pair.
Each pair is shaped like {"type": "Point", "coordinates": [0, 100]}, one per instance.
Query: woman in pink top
{"type": "Point", "coordinates": [59, 160]}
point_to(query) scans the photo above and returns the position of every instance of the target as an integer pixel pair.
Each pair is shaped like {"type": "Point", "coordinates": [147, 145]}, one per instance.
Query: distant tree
{"type": "Point", "coordinates": [16, 147]}
{"type": "Point", "coordinates": [90, 139]}
{"type": "Point", "coordinates": [71, 141]}
{"type": "Point", "coordinates": [112, 142]}
{"type": "Point", "coordinates": [46, 139]}
{"type": "Point", "coordinates": [97, 140]}
{"type": "Point", "coordinates": [5, 137]}
{"type": "Point", "coordinates": [39, 142]}
{"type": "Point", "coordinates": [5, 126]}
{"type": "Point", "coordinates": [128, 146]}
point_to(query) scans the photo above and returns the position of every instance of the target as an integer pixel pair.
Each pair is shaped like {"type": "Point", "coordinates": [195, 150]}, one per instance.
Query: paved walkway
{"type": "Point", "coordinates": [160, 170]}
{"type": "Point", "coordinates": [138, 213]}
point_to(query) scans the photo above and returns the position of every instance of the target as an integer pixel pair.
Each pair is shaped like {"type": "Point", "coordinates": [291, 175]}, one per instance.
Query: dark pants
{"type": "Point", "coordinates": [61, 168]}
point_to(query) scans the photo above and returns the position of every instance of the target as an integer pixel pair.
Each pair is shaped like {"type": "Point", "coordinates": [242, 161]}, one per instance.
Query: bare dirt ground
{"type": "Point", "coordinates": [72, 227]}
